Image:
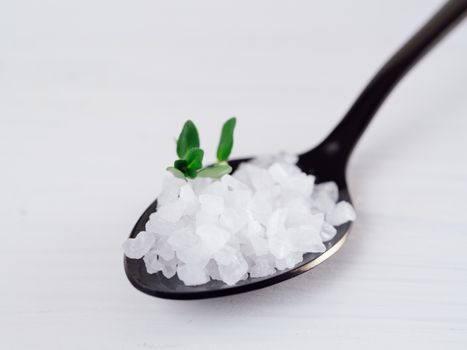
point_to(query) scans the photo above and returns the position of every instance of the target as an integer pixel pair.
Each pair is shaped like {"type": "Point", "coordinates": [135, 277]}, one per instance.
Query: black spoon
{"type": "Point", "coordinates": [327, 162]}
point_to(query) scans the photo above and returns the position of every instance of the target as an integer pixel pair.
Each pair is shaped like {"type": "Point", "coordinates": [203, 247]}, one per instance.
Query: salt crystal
{"type": "Point", "coordinates": [205, 218]}
{"type": "Point", "coordinates": [200, 184]}
{"type": "Point", "coordinates": [267, 160]}
{"type": "Point", "coordinates": [343, 212]}
{"type": "Point", "coordinates": [232, 220]}
{"type": "Point", "coordinates": [158, 225]}
{"type": "Point", "coordinates": [260, 178]}
{"type": "Point", "coordinates": [276, 222]}
{"type": "Point", "coordinates": [288, 262]}
{"type": "Point", "coordinates": [305, 239]}
{"type": "Point", "coordinates": [161, 227]}
{"type": "Point", "coordinates": [316, 220]}
{"type": "Point", "coordinates": [323, 203]}
{"type": "Point", "coordinates": [214, 237]}
{"type": "Point", "coordinates": [278, 173]}
{"type": "Point", "coordinates": [164, 250]}
{"type": "Point", "coordinates": [330, 189]}
{"type": "Point", "coordinates": [260, 245]}
{"type": "Point", "coordinates": [238, 198]}
{"type": "Point", "coordinates": [257, 237]}
{"type": "Point", "coordinates": [186, 193]}
{"type": "Point", "coordinates": [225, 256]}
{"type": "Point", "coordinates": [135, 248]}
{"type": "Point", "coordinates": [173, 211]}
{"type": "Point", "coordinates": [216, 188]}
{"type": "Point", "coordinates": [152, 263]}
{"type": "Point", "coordinates": [169, 268]}
{"type": "Point", "coordinates": [233, 272]}
{"type": "Point", "coordinates": [246, 248]}
{"type": "Point", "coordinates": [170, 190]}
{"type": "Point", "coordinates": [232, 183]}
{"type": "Point", "coordinates": [192, 275]}
{"type": "Point", "coordinates": [213, 270]}
{"type": "Point", "coordinates": [212, 204]}
{"type": "Point", "coordinates": [242, 175]}
{"type": "Point", "coordinates": [286, 157]}
{"type": "Point", "coordinates": [183, 238]}
{"type": "Point", "coordinates": [260, 207]}
{"type": "Point", "coordinates": [299, 216]}
{"type": "Point", "coordinates": [325, 196]}
{"type": "Point", "coordinates": [328, 232]}
{"type": "Point", "coordinates": [255, 228]}
{"type": "Point", "coordinates": [262, 161]}
{"type": "Point", "coordinates": [197, 254]}
{"type": "Point", "coordinates": [279, 246]}
{"type": "Point", "coordinates": [262, 266]}
{"type": "Point", "coordinates": [299, 185]}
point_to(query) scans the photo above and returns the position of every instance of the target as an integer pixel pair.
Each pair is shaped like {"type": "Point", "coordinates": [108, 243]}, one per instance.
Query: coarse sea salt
{"type": "Point", "coordinates": [262, 218]}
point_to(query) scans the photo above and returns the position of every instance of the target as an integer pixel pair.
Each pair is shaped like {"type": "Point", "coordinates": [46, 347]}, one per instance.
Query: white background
{"type": "Point", "coordinates": [92, 94]}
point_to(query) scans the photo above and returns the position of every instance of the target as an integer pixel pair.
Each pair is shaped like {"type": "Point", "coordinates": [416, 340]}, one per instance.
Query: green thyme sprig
{"type": "Point", "coordinates": [190, 156]}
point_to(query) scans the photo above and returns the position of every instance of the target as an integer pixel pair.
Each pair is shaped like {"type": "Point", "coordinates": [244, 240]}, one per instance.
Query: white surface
{"type": "Point", "coordinates": [91, 95]}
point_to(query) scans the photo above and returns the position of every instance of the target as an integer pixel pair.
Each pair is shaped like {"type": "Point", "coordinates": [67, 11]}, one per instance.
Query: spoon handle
{"type": "Point", "coordinates": [345, 136]}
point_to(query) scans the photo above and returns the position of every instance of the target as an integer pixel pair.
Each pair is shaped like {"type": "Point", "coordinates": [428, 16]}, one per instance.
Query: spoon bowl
{"type": "Point", "coordinates": [173, 288]}
{"type": "Point", "coordinates": [327, 161]}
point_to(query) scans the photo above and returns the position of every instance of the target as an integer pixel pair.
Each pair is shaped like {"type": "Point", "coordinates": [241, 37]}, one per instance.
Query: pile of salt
{"type": "Point", "coordinates": [261, 219]}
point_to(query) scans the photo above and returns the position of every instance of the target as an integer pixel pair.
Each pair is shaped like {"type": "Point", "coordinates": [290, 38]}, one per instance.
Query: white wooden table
{"type": "Point", "coordinates": [92, 94]}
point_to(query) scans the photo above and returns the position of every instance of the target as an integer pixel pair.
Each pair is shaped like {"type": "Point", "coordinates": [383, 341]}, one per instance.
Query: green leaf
{"type": "Point", "coordinates": [226, 141]}
{"type": "Point", "coordinates": [215, 171]}
{"type": "Point", "coordinates": [194, 158]}
{"type": "Point", "coordinates": [181, 164]}
{"type": "Point", "coordinates": [191, 173]}
{"type": "Point", "coordinates": [188, 139]}
{"type": "Point", "coordinates": [175, 172]}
